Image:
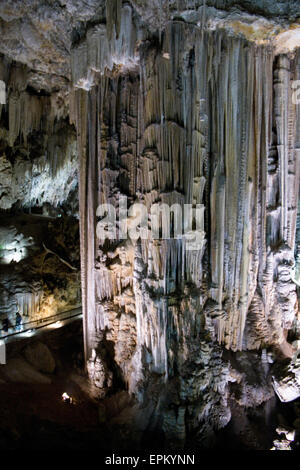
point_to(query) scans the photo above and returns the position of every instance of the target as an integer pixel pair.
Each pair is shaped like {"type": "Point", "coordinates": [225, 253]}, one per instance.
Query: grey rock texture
{"type": "Point", "coordinates": [38, 158]}
{"type": "Point", "coordinates": [175, 102]}
{"type": "Point", "coordinates": [38, 175]}
{"type": "Point", "coordinates": [27, 184]}
{"type": "Point", "coordinates": [41, 33]}
{"type": "Point", "coordinates": [33, 281]}
{"type": "Point", "coordinates": [286, 380]}
{"type": "Point", "coordinates": [190, 116]}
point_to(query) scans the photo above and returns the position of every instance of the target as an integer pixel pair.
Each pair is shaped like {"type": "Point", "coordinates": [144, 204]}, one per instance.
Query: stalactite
{"type": "Point", "coordinates": [201, 118]}
{"type": "Point", "coordinates": [113, 17]}
{"type": "Point", "coordinates": [29, 304]}
{"type": "Point", "coordinates": [104, 48]}
{"type": "Point", "coordinates": [31, 112]}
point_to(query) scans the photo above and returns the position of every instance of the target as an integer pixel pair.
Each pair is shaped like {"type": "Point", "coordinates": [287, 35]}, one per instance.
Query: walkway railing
{"type": "Point", "coordinates": [40, 323]}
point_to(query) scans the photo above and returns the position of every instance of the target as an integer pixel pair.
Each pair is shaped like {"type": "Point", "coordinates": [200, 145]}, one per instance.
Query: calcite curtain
{"type": "Point", "coordinates": [191, 117]}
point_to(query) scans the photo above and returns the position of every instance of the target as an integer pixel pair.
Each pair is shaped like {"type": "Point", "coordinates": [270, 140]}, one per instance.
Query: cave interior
{"type": "Point", "coordinates": [149, 225]}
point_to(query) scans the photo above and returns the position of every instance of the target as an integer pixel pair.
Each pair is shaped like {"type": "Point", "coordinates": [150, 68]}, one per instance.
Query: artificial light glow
{"type": "Point", "coordinates": [66, 398]}
{"type": "Point", "coordinates": [57, 324]}
{"type": "Point", "coordinates": [13, 254]}
{"type": "Point", "coordinates": [13, 257]}
{"type": "Point", "coordinates": [28, 333]}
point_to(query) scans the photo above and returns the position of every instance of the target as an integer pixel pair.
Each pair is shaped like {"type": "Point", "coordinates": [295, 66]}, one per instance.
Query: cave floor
{"type": "Point", "coordinates": [34, 416]}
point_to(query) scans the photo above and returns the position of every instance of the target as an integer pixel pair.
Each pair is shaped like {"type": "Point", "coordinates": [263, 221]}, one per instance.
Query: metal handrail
{"type": "Point", "coordinates": [41, 322]}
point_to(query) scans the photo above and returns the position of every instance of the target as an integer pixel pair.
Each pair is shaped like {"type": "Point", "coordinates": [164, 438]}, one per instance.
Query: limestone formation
{"type": "Point", "coordinates": [173, 103]}
{"type": "Point", "coordinates": [156, 116]}
{"type": "Point", "coordinates": [34, 282]}
{"type": "Point", "coordinates": [287, 380]}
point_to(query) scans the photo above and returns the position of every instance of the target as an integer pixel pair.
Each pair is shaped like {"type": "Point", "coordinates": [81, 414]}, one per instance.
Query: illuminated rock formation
{"type": "Point", "coordinates": [191, 115]}
{"type": "Point", "coordinates": [179, 103]}
{"type": "Point", "coordinates": [39, 175]}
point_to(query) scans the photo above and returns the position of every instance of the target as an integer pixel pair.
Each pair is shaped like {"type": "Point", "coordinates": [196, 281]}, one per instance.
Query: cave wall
{"type": "Point", "coordinates": [174, 102]}
{"type": "Point", "coordinates": [34, 281]}
{"type": "Point", "coordinates": [38, 198]}
{"type": "Point", "coordinates": [38, 163]}
{"type": "Point", "coordinates": [187, 116]}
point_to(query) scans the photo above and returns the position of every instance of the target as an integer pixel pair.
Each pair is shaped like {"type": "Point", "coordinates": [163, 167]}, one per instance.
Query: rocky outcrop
{"type": "Point", "coordinates": [191, 116]}
{"type": "Point", "coordinates": [39, 259]}
{"type": "Point", "coordinates": [29, 184]}
{"type": "Point", "coordinates": [40, 357]}
{"type": "Point", "coordinates": [286, 380]}
{"type": "Point", "coordinates": [38, 155]}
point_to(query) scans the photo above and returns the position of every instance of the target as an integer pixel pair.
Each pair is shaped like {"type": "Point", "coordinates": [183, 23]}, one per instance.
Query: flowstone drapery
{"type": "Point", "coordinates": [188, 116]}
